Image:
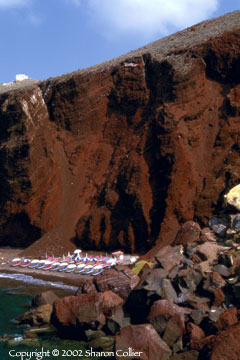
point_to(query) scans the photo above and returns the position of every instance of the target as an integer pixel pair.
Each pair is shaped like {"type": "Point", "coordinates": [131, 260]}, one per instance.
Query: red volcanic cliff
{"type": "Point", "coordinates": [121, 154]}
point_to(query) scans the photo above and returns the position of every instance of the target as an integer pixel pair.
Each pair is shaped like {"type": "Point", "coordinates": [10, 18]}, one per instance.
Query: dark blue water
{"type": "Point", "coordinates": [15, 299]}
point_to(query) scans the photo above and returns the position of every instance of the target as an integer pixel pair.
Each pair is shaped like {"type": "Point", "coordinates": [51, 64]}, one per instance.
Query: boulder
{"type": "Point", "coordinates": [173, 334]}
{"type": "Point", "coordinates": [163, 310]}
{"type": "Point", "coordinates": [225, 345]}
{"type": "Point", "coordinates": [121, 280]}
{"type": "Point", "coordinates": [86, 287]}
{"type": "Point", "coordinates": [169, 256]}
{"type": "Point", "coordinates": [46, 297]}
{"type": "Point", "coordinates": [215, 313]}
{"type": "Point", "coordinates": [222, 270]}
{"type": "Point", "coordinates": [208, 235]}
{"type": "Point", "coordinates": [142, 339]}
{"type": "Point", "coordinates": [190, 278]}
{"type": "Point", "coordinates": [209, 250]}
{"type": "Point", "coordinates": [189, 233]}
{"type": "Point", "coordinates": [111, 301]}
{"type": "Point", "coordinates": [213, 281]}
{"type": "Point", "coordinates": [227, 318]}
{"type": "Point", "coordinates": [37, 317]}
{"type": "Point", "coordinates": [152, 281]}
{"type": "Point", "coordinates": [168, 291]}
{"type": "Point", "coordinates": [74, 314]}
{"type": "Point", "coordinates": [219, 297]}
{"type": "Point", "coordinates": [194, 334]}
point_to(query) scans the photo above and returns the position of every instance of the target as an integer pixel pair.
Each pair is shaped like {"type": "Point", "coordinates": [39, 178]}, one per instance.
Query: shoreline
{"type": "Point", "coordinates": [69, 279]}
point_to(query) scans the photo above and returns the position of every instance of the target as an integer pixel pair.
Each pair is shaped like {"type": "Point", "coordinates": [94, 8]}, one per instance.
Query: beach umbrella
{"type": "Point", "coordinates": [77, 254]}
{"type": "Point", "coordinates": [116, 253]}
{"type": "Point", "coordinates": [77, 251]}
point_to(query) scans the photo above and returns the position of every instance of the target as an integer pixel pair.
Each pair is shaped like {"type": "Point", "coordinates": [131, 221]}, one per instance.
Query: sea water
{"type": "Point", "coordinates": [15, 299]}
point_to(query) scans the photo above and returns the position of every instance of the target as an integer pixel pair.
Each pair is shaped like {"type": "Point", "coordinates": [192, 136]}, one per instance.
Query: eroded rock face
{"type": "Point", "coordinates": [121, 154]}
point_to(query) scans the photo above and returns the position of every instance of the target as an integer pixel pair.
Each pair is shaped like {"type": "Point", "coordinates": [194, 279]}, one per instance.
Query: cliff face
{"type": "Point", "coordinates": [121, 154]}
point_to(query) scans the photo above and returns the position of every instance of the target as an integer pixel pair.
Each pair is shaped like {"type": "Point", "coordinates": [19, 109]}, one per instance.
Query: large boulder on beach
{"type": "Point", "coordinates": [72, 315]}
{"type": "Point", "coordinates": [141, 341]}
{"type": "Point", "coordinates": [121, 280]}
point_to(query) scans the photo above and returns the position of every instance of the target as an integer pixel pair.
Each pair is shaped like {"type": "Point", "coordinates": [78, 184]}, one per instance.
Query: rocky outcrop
{"type": "Point", "coordinates": [121, 154]}
{"type": "Point", "coordinates": [74, 315]}
{"type": "Point", "coordinates": [37, 317]}
{"type": "Point", "coordinates": [141, 341]}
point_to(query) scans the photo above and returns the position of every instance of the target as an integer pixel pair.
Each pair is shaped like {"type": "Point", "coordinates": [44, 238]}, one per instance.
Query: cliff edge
{"type": "Point", "coordinates": [119, 155]}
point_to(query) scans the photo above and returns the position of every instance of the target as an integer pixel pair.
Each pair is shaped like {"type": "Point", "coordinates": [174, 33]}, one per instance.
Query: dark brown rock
{"type": "Point", "coordinates": [37, 317]}
{"type": "Point", "coordinates": [119, 156]}
{"type": "Point", "coordinates": [219, 297]}
{"type": "Point", "coordinates": [143, 339]}
{"type": "Point", "coordinates": [46, 297]}
{"type": "Point", "coordinates": [189, 233]}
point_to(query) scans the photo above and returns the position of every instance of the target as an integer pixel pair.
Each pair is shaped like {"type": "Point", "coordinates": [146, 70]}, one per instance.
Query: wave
{"type": "Point", "coordinates": [30, 280]}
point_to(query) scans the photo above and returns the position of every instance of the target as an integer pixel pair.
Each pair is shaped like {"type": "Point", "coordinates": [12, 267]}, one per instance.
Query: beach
{"type": "Point", "coordinates": [69, 279]}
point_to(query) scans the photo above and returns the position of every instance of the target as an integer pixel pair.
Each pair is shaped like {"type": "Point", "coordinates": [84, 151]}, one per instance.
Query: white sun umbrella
{"type": "Point", "coordinates": [77, 253]}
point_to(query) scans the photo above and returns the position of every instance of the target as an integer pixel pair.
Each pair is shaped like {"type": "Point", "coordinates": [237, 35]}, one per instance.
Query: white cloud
{"type": "Point", "coordinates": [148, 17]}
{"type": "Point", "coordinates": [5, 4]}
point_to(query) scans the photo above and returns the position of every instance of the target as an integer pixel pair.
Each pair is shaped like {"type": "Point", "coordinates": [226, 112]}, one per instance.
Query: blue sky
{"type": "Point", "coordinates": [44, 38]}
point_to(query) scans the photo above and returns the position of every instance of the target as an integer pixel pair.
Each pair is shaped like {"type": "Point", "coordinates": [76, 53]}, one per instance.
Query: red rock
{"type": "Point", "coordinates": [143, 339]}
{"type": "Point", "coordinates": [219, 297]}
{"type": "Point", "coordinates": [228, 318]}
{"type": "Point", "coordinates": [83, 311]}
{"type": "Point", "coordinates": [195, 332]}
{"type": "Point", "coordinates": [162, 310]}
{"type": "Point", "coordinates": [189, 232]}
{"type": "Point", "coordinates": [225, 345]}
{"type": "Point", "coordinates": [194, 335]}
{"type": "Point", "coordinates": [120, 280]}
{"type": "Point", "coordinates": [119, 156]}
{"type": "Point", "coordinates": [110, 302]}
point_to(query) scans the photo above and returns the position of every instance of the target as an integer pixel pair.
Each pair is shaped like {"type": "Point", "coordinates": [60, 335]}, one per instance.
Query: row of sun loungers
{"type": "Point", "coordinates": [87, 265]}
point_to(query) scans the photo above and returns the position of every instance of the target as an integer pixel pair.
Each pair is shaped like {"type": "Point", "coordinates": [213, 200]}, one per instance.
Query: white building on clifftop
{"type": "Point", "coordinates": [21, 77]}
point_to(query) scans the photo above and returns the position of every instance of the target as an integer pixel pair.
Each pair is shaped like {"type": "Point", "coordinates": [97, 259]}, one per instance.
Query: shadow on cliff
{"type": "Point", "coordinates": [19, 232]}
